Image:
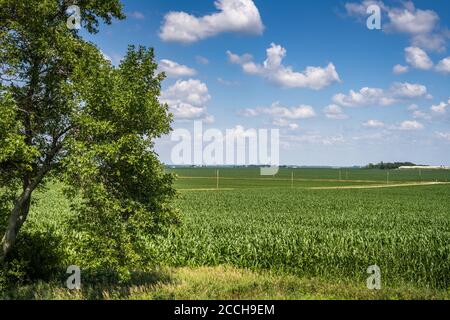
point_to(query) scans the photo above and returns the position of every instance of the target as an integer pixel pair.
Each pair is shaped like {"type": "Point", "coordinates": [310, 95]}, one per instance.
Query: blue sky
{"type": "Point", "coordinates": [340, 94]}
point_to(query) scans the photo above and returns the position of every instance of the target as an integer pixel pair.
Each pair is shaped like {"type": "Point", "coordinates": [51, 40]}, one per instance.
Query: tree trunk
{"type": "Point", "coordinates": [22, 207]}
{"type": "Point", "coordinates": [16, 219]}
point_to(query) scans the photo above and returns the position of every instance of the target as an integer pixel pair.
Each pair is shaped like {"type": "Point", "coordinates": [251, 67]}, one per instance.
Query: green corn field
{"type": "Point", "coordinates": [332, 234]}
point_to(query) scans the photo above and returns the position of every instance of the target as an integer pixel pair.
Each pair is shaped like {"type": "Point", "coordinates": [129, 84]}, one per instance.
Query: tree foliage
{"type": "Point", "coordinates": [389, 165]}
{"type": "Point", "coordinates": [67, 113]}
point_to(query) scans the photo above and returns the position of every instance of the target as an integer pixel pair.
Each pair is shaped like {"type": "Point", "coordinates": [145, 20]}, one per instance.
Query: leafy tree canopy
{"type": "Point", "coordinates": [66, 113]}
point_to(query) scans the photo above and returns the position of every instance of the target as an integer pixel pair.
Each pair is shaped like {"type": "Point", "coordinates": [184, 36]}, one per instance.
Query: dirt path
{"type": "Point", "coordinates": [282, 179]}
{"type": "Point", "coordinates": [206, 189]}
{"type": "Point", "coordinates": [415, 184]}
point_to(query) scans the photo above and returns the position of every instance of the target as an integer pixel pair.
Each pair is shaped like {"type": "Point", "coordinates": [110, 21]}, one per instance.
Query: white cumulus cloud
{"type": "Point", "coordinates": [418, 58]}
{"type": "Point", "coordinates": [374, 124]}
{"type": "Point", "coordinates": [443, 135]}
{"type": "Point", "coordinates": [187, 100]}
{"type": "Point", "coordinates": [399, 69]}
{"type": "Point", "coordinates": [419, 114]}
{"type": "Point", "coordinates": [335, 112]}
{"type": "Point", "coordinates": [281, 116]}
{"type": "Point", "coordinates": [443, 65]}
{"type": "Point", "coordinates": [441, 108]}
{"type": "Point", "coordinates": [137, 15]}
{"type": "Point", "coordinates": [315, 138]}
{"type": "Point", "coordinates": [278, 111]}
{"type": "Point", "coordinates": [405, 90]}
{"type": "Point", "coordinates": [412, 21]}
{"type": "Point", "coordinates": [367, 96]}
{"type": "Point", "coordinates": [411, 125]}
{"type": "Point", "coordinates": [202, 60]}
{"type": "Point", "coordinates": [422, 26]}
{"type": "Point", "coordinates": [175, 70]}
{"type": "Point", "coordinates": [285, 123]}
{"type": "Point", "coordinates": [240, 16]}
{"type": "Point", "coordinates": [273, 69]}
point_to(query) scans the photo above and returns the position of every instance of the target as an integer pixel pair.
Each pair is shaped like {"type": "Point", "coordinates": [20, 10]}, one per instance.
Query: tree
{"type": "Point", "coordinates": [66, 113]}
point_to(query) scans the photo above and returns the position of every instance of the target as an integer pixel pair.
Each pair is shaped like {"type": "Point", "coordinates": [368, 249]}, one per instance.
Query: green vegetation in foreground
{"type": "Point", "coordinates": [292, 243]}
{"type": "Point", "coordinates": [223, 283]}
{"type": "Point", "coordinates": [329, 234]}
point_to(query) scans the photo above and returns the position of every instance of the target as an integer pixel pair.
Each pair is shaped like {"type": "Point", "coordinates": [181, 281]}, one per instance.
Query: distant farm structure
{"type": "Point", "coordinates": [424, 167]}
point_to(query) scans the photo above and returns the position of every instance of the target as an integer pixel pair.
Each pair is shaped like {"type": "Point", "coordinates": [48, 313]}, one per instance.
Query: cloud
{"type": "Point", "coordinates": [315, 139]}
{"type": "Point", "coordinates": [301, 112]}
{"type": "Point", "coordinates": [249, 112]}
{"type": "Point", "coordinates": [236, 59]}
{"type": "Point", "coordinates": [187, 100]}
{"type": "Point", "coordinates": [272, 69]}
{"type": "Point", "coordinates": [443, 65]}
{"type": "Point", "coordinates": [114, 58]}
{"type": "Point", "coordinates": [227, 82]}
{"type": "Point", "coordinates": [276, 110]}
{"type": "Point", "coordinates": [137, 15]}
{"type": "Point", "coordinates": [411, 20]}
{"type": "Point", "coordinates": [281, 116]}
{"type": "Point", "coordinates": [410, 125]}
{"type": "Point", "coordinates": [175, 70]}
{"type": "Point", "coordinates": [379, 97]}
{"type": "Point", "coordinates": [399, 69]}
{"type": "Point", "coordinates": [443, 135]}
{"type": "Point", "coordinates": [405, 90]}
{"type": "Point", "coordinates": [335, 112]}
{"type": "Point", "coordinates": [285, 123]}
{"type": "Point", "coordinates": [241, 16]}
{"type": "Point", "coordinates": [413, 107]}
{"type": "Point", "coordinates": [422, 26]}
{"type": "Point", "coordinates": [364, 97]}
{"type": "Point", "coordinates": [359, 10]}
{"type": "Point", "coordinates": [418, 58]}
{"type": "Point", "coordinates": [239, 131]}
{"type": "Point", "coordinates": [201, 60]}
{"type": "Point", "coordinates": [106, 57]}
{"type": "Point", "coordinates": [374, 124]}
{"type": "Point", "coordinates": [418, 114]}
{"type": "Point", "coordinates": [435, 111]}
{"type": "Point", "coordinates": [431, 42]}
{"type": "Point", "coordinates": [440, 108]}
{"type": "Point", "coordinates": [378, 136]}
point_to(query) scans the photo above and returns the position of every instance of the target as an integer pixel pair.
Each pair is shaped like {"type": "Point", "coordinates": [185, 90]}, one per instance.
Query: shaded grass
{"type": "Point", "coordinates": [223, 283]}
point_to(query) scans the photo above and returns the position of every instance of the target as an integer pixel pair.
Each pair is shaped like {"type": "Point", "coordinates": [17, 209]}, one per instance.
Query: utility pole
{"type": "Point", "coordinates": [217, 179]}
{"type": "Point", "coordinates": [292, 179]}
{"type": "Point", "coordinates": [387, 177]}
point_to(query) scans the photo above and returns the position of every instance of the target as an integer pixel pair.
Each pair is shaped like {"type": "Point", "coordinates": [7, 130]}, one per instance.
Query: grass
{"type": "Point", "coordinates": [224, 283]}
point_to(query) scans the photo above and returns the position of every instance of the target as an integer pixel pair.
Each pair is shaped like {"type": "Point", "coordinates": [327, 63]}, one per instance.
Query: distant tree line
{"type": "Point", "coordinates": [389, 165]}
